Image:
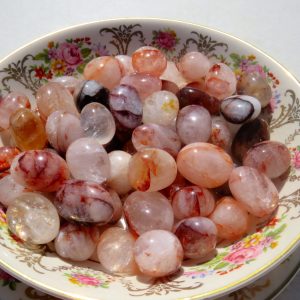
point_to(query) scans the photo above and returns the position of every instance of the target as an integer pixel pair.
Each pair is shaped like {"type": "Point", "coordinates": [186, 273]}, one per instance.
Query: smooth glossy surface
{"type": "Point", "coordinates": [204, 164]}
{"type": "Point", "coordinates": [33, 218]}
{"type": "Point", "coordinates": [158, 253]}
{"type": "Point", "coordinates": [97, 121]}
{"type": "Point", "coordinates": [221, 135]}
{"type": "Point", "coordinates": [151, 170]}
{"type": "Point", "coordinates": [7, 154]}
{"type": "Point", "coordinates": [88, 160]}
{"type": "Point", "coordinates": [254, 190]}
{"type": "Point", "coordinates": [39, 170]}
{"type": "Point", "coordinates": [148, 211]}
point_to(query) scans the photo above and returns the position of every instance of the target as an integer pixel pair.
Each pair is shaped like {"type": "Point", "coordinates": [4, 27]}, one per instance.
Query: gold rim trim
{"type": "Point", "coordinates": [223, 290]}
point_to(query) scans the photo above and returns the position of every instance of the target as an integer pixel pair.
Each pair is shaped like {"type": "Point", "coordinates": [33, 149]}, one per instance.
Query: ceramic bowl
{"type": "Point", "coordinates": [235, 265]}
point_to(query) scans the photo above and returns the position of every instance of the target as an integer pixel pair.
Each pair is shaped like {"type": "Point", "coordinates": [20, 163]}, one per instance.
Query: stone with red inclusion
{"type": "Point", "coordinates": [198, 236]}
{"type": "Point", "coordinates": [7, 154]}
{"type": "Point", "coordinates": [254, 190]}
{"type": "Point", "coordinates": [269, 157]}
{"type": "Point", "coordinates": [151, 169]}
{"type": "Point", "coordinates": [158, 253]}
{"type": "Point", "coordinates": [84, 201]}
{"type": "Point", "coordinates": [192, 201]}
{"type": "Point", "coordinates": [231, 219]}
{"type": "Point", "coordinates": [148, 211]}
{"type": "Point", "coordinates": [39, 170]}
{"type": "Point", "coordinates": [149, 60]}
{"type": "Point", "coordinates": [76, 242]}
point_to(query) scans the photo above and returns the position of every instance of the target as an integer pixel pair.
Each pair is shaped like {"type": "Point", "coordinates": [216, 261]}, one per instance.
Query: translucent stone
{"type": "Point", "coordinates": [7, 154]}
{"type": "Point", "coordinates": [84, 201]}
{"type": "Point", "coordinates": [271, 158]}
{"type": "Point", "coordinates": [9, 190]}
{"type": "Point", "coordinates": [192, 201]}
{"type": "Point", "coordinates": [9, 104]}
{"type": "Point", "coordinates": [172, 74]}
{"type": "Point", "coordinates": [126, 106]}
{"type": "Point", "coordinates": [68, 82]}
{"type": "Point", "coordinates": [220, 81]}
{"type": "Point", "coordinates": [158, 253]}
{"type": "Point", "coordinates": [115, 251]}
{"type": "Point", "coordinates": [151, 170]}
{"type": "Point", "coordinates": [156, 136]}
{"type": "Point", "coordinates": [248, 135]}
{"type": "Point", "coordinates": [193, 66]}
{"type": "Point", "coordinates": [33, 218]}
{"type": "Point", "coordinates": [254, 190]}
{"type": "Point", "coordinates": [145, 84]}
{"type": "Point", "coordinates": [149, 60]}
{"type": "Point", "coordinates": [88, 160]}
{"type": "Point", "coordinates": [231, 219]}
{"type": "Point", "coordinates": [160, 108]}
{"type": "Point", "coordinates": [89, 91]}
{"type": "Point", "coordinates": [62, 130]}
{"type": "Point", "coordinates": [76, 242]}
{"type": "Point", "coordinates": [220, 134]}
{"type": "Point", "coordinates": [148, 211]}
{"type": "Point", "coordinates": [53, 96]}
{"type": "Point", "coordinates": [198, 236]}
{"type": "Point", "coordinates": [125, 64]}
{"type": "Point", "coordinates": [104, 69]}
{"type": "Point", "coordinates": [39, 170]}
{"type": "Point", "coordinates": [190, 95]}
{"type": "Point", "coordinates": [97, 121]}
{"type": "Point", "coordinates": [204, 164]}
{"type": "Point", "coordinates": [240, 109]}
{"type": "Point", "coordinates": [193, 124]}
{"type": "Point", "coordinates": [253, 84]}
{"type": "Point", "coordinates": [119, 179]}
{"type": "Point", "coordinates": [27, 130]}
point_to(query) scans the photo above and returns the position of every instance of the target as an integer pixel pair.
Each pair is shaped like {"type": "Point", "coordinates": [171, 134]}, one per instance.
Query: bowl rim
{"type": "Point", "coordinates": [220, 291]}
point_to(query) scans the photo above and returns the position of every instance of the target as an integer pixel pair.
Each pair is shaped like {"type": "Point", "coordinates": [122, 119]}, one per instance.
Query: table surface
{"type": "Point", "coordinates": [271, 25]}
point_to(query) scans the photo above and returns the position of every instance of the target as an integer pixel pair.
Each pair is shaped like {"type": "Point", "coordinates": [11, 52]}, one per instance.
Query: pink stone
{"type": "Point", "coordinates": [76, 242]}
{"type": "Point", "coordinates": [68, 82]}
{"type": "Point", "coordinates": [172, 74]}
{"type": "Point", "coordinates": [254, 190]}
{"type": "Point", "coordinates": [39, 170]}
{"type": "Point", "coordinates": [10, 104]}
{"type": "Point", "coordinates": [148, 211]}
{"type": "Point", "coordinates": [231, 219]}
{"type": "Point", "coordinates": [84, 201]}
{"type": "Point", "coordinates": [220, 134]}
{"type": "Point", "coordinates": [269, 157]}
{"type": "Point", "coordinates": [220, 81]}
{"type": "Point", "coordinates": [158, 253]}
{"type": "Point", "coordinates": [125, 64]}
{"type": "Point", "coordinates": [104, 69]}
{"type": "Point", "coordinates": [151, 170]}
{"type": "Point", "coordinates": [115, 251]}
{"type": "Point", "coordinates": [204, 164]}
{"type": "Point", "coordinates": [117, 205]}
{"type": "Point", "coordinates": [53, 96]}
{"type": "Point", "coordinates": [156, 136]}
{"type": "Point", "coordinates": [145, 84]}
{"type": "Point", "coordinates": [198, 236]}
{"type": "Point", "coordinates": [7, 154]}
{"type": "Point", "coordinates": [193, 66]}
{"type": "Point", "coordinates": [88, 160]}
{"type": "Point", "coordinates": [62, 130]}
{"type": "Point", "coordinates": [192, 201]}
{"type": "Point", "coordinates": [193, 124]}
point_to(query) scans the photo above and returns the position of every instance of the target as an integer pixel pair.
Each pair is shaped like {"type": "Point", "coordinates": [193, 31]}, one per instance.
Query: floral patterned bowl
{"type": "Point", "coordinates": [66, 52]}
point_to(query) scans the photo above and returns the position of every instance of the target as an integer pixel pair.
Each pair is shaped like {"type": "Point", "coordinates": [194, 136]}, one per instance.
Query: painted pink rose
{"type": "Point", "coordinates": [255, 68]}
{"type": "Point", "coordinates": [243, 255]}
{"type": "Point", "coordinates": [296, 159]}
{"type": "Point", "coordinates": [165, 40]}
{"type": "Point", "coordinates": [70, 53]}
{"type": "Point", "coordinates": [87, 280]}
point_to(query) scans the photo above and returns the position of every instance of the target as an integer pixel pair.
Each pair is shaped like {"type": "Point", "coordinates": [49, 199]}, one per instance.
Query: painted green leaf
{"type": "Point", "coordinates": [40, 56]}
{"type": "Point", "coordinates": [85, 52]}
{"type": "Point", "coordinates": [13, 285]}
{"type": "Point", "coordinates": [80, 68]}
{"type": "Point", "coordinates": [221, 265]}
